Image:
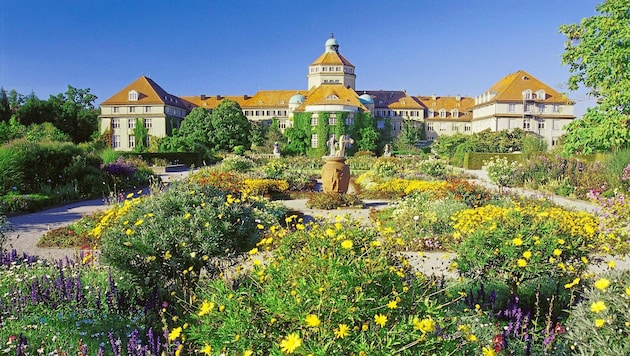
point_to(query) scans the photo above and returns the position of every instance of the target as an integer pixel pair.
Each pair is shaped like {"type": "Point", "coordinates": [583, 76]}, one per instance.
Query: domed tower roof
{"type": "Point", "coordinates": [366, 99]}
{"type": "Point", "coordinates": [297, 99]}
{"type": "Point", "coordinates": [331, 44]}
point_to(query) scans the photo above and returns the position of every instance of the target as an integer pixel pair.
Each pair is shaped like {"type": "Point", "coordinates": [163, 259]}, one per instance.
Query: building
{"type": "Point", "coordinates": [516, 101]}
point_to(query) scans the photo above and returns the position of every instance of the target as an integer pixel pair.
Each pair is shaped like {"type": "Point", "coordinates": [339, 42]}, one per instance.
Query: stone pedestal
{"type": "Point", "coordinates": [335, 175]}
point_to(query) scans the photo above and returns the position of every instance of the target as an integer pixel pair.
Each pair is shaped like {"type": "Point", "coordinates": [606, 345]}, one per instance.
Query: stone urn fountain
{"type": "Point", "coordinates": [335, 172]}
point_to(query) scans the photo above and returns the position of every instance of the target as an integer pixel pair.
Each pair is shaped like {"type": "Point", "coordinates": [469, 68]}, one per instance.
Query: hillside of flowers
{"type": "Point", "coordinates": [214, 265]}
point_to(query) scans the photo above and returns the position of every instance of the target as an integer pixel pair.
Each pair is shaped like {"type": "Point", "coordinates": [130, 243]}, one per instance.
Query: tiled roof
{"type": "Point", "coordinates": [331, 94]}
{"type": "Point", "coordinates": [331, 58]}
{"type": "Point", "coordinates": [149, 93]}
{"type": "Point", "coordinates": [262, 99]}
{"type": "Point", "coordinates": [397, 99]}
{"type": "Point", "coordinates": [462, 104]}
{"type": "Point", "coordinates": [512, 86]}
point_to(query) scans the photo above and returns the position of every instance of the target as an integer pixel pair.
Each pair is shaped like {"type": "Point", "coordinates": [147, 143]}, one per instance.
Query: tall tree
{"type": "Point", "coordinates": [194, 135]}
{"type": "Point", "coordinates": [33, 110]}
{"type": "Point", "coordinates": [230, 127]}
{"type": "Point", "coordinates": [74, 113]}
{"type": "Point", "coordinates": [409, 135]}
{"type": "Point", "coordinates": [597, 51]}
{"type": "Point", "coordinates": [5, 109]}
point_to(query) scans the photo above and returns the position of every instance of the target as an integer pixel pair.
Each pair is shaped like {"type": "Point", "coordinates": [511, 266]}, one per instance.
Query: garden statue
{"type": "Point", "coordinates": [387, 152]}
{"type": "Point", "coordinates": [335, 172]}
{"type": "Point", "coordinates": [276, 149]}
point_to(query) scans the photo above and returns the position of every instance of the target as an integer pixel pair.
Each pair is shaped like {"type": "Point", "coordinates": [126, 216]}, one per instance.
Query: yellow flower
{"type": "Point", "coordinates": [612, 264]}
{"type": "Point", "coordinates": [253, 251]}
{"type": "Point", "coordinates": [517, 241]}
{"type": "Point", "coordinates": [600, 322]}
{"type": "Point", "coordinates": [174, 334]}
{"type": "Point", "coordinates": [597, 307]}
{"type": "Point", "coordinates": [312, 321]}
{"type": "Point", "coordinates": [187, 216]}
{"type": "Point", "coordinates": [290, 343]}
{"type": "Point", "coordinates": [248, 353]}
{"type": "Point", "coordinates": [628, 290]}
{"type": "Point", "coordinates": [488, 351]}
{"type": "Point", "coordinates": [130, 195]}
{"type": "Point", "coordinates": [527, 254]}
{"type": "Point", "coordinates": [346, 244]}
{"type": "Point", "coordinates": [206, 307]}
{"type": "Point", "coordinates": [380, 319]}
{"type": "Point", "coordinates": [167, 255]}
{"type": "Point", "coordinates": [572, 284]}
{"type": "Point", "coordinates": [392, 304]}
{"type": "Point", "coordinates": [342, 331]}
{"type": "Point", "coordinates": [129, 232]}
{"type": "Point", "coordinates": [260, 226]}
{"type": "Point", "coordinates": [584, 260]}
{"type": "Point", "coordinates": [425, 325]}
{"type": "Point", "coordinates": [206, 350]}
{"type": "Point", "coordinates": [560, 241]}
{"type": "Point", "coordinates": [375, 243]}
{"type": "Point", "coordinates": [521, 262]}
{"type": "Point", "coordinates": [139, 222]}
{"type": "Point", "coordinates": [602, 283]}
{"type": "Point", "coordinates": [557, 252]}
{"type": "Point", "coordinates": [472, 338]}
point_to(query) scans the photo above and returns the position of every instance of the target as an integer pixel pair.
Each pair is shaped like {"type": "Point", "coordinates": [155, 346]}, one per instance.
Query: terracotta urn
{"type": "Point", "coordinates": [335, 175]}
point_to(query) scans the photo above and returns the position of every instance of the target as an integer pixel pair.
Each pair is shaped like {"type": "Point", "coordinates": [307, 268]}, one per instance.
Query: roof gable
{"type": "Point", "coordinates": [512, 86]}
{"type": "Point", "coordinates": [331, 58]}
{"type": "Point", "coordinates": [148, 93]}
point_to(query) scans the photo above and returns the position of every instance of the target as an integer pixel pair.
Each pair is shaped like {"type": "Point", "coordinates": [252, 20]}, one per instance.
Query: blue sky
{"type": "Point", "coordinates": [445, 47]}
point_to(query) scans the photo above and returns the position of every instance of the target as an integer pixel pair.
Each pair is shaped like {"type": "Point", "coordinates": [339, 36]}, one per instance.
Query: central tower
{"type": "Point", "coordinates": [331, 67]}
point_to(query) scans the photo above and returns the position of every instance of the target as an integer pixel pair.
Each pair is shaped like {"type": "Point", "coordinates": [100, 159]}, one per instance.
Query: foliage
{"type": "Point", "coordinates": [237, 164]}
{"type": "Point", "coordinates": [164, 241]}
{"type": "Point", "coordinates": [600, 324]}
{"type": "Point", "coordinates": [617, 168]}
{"type": "Point", "coordinates": [521, 243]}
{"type": "Point", "coordinates": [230, 128]}
{"type": "Point", "coordinates": [77, 234]}
{"type": "Point", "coordinates": [454, 147]}
{"type": "Point", "coordinates": [434, 168]}
{"type": "Point", "coordinates": [328, 201]}
{"type": "Point", "coordinates": [597, 51]}
{"type": "Point", "coordinates": [72, 307]}
{"type": "Point", "coordinates": [260, 187]}
{"type": "Point", "coordinates": [533, 146]}
{"type": "Point", "coordinates": [5, 228]}
{"type": "Point", "coordinates": [194, 135]}
{"type": "Point", "coordinates": [501, 172]}
{"type": "Point", "coordinates": [409, 135]}
{"type": "Point", "coordinates": [229, 182]}
{"type": "Point", "coordinates": [141, 136]}
{"type": "Point", "coordinates": [614, 224]}
{"type": "Point", "coordinates": [332, 289]}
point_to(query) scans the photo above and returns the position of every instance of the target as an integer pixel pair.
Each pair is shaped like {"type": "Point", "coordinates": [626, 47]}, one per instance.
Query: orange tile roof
{"type": "Point", "coordinates": [511, 87]}
{"type": "Point", "coordinates": [331, 94]}
{"type": "Point", "coordinates": [262, 99]}
{"type": "Point", "coordinates": [331, 58]}
{"type": "Point", "coordinates": [449, 103]}
{"type": "Point", "coordinates": [150, 93]}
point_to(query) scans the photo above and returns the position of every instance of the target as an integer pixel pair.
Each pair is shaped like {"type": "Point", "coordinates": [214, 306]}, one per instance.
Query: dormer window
{"type": "Point", "coordinates": [133, 95]}
{"type": "Point", "coordinates": [332, 97]}
{"type": "Point", "coordinates": [443, 113]}
{"type": "Point", "coordinates": [527, 94]}
{"type": "Point", "coordinates": [540, 94]}
{"type": "Point", "coordinates": [454, 113]}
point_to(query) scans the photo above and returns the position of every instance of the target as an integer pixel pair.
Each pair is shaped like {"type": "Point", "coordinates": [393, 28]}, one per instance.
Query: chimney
{"type": "Point", "coordinates": [202, 97]}
{"type": "Point", "coordinates": [245, 97]}
{"type": "Point", "coordinates": [458, 97]}
{"type": "Point", "coordinates": [218, 97]}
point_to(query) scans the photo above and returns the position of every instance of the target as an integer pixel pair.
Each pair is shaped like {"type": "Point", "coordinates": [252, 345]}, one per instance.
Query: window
{"type": "Point", "coordinates": [147, 109]}
{"type": "Point", "coordinates": [541, 107]}
{"type": "Point", "coordinates": [148, 123]}
{"type": "Point", "coordinates": [527, 94]}
{"type": "Point", "coordinates": [282, 124]}
{"type": "Point", "coordinates": [314, 141]}
{"type": "Point", "coordinates": [349, 121]}
{"type": "Point", "coordinates": [132, 109]}
{"type": "Point", "coordinates": [116, 109]}
{"type": "Point", "coordinates": [332, 120]}
{"type": "Point", "coordinates": [115, 141]}
{"type": "Point", "coordinates": [442, 113]}
{"type": "Point", "coordinates": [115, 123]}
{"type": "Point", "coordinates": [455, 128]}
{"type": "Point", "coordinates": [511, 107]}
{"type": "Point", "coordinates": [526, 125]}
{"type": "Point", "coordinates": [442, 126]}
{"type": "Point", "coordinates": [133, 95]}
{"type": "Point", "coordinates": [431, 113]}
{"type": "Point", "coordinates": [131, 124]}
{"type": "Point", "coordinates": [540, 94]}
{"type": "Point", "coordinates": [380, 124]}
{"type": "Point", "coordinates": [132, 141]}
{"type": "Point", "coordinates": [541, 124]}
{"type": "Point", "coordinates": [467, 128]}
{"type": "Point", "coordinates": [528, 107]}
{"type": "Point", "coordinates": [314, 121]}
{"type": "Point", "coordinates": [430, 126]}
{"type": "Point", "coordinates": [554, 141]}
{"type": "Point", "coordinates": [455, 113]}
{"type": "Point", "coordinates": [557, 109]}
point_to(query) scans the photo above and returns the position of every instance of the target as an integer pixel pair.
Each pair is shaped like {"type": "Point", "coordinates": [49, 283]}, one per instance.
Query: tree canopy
{"type": "Point", "coordinates": [597, 51]}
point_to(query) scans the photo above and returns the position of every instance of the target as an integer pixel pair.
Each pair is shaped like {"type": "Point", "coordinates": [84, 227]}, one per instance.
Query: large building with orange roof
{"type": "Point", "coordinates": [516, 101]}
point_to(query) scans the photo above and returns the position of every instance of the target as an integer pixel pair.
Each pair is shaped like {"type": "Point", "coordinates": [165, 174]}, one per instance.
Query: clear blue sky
{"type": "Point", "coordinates": [446, 47]}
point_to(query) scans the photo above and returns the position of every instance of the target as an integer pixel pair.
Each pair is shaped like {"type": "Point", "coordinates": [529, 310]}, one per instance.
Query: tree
{"type": "Point", "coordinates": [5, 109]}
{"type": "Point", "coordinates": [597, 51]}
{"type": "Point", "coordinates": [140, 135]}
{"type": "Point", "coordinates": [74, 113]}
{"type": "Point", "coordinates": [33, 110]}
{"type": "Point", "coordinates": [230, 127]}
{"type": "Point", "coordinates": [409, 135]}
{"type": "Point", "coordinates": [194, 135]}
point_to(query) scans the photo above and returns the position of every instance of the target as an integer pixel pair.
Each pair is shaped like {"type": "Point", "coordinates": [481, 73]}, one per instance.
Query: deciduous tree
{"type": "Point", "coordinates": [597, 51]}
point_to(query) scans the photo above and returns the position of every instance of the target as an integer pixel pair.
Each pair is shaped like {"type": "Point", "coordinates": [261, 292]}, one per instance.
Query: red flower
{"type": "Point", "coordinates": [497, 340]}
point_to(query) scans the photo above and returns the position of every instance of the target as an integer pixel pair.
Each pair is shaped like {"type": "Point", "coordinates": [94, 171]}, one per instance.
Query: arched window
{"type": "Point", "coordinates": [133, 95]}
{"type": "Point", "coordinates": [442, 113]}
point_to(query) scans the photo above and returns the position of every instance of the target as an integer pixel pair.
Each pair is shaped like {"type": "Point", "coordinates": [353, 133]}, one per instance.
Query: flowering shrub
{"type": "Point", "coordinates": [600, 324]}
{"type": "Point", "coordinates": [615, 222]}
{"type": "Point", "coordinates": [501, 172]}
{"type": "Point", "coordinates": [329, 289]}
{"type": "Point", "coordinates": [263, 186]}
{"type": "Point", "coordinates": [328, 201]}
{"type": "Point", "coordinates": [228, 182]}
{"type": "Point", "coordinates": [237, 164]}
{"type": "Point", "coordinates": [164, 241]}
{"type": "Point", "coordinates": [521, 243]}
{"type": "Point", "coordinates": [434, 168]}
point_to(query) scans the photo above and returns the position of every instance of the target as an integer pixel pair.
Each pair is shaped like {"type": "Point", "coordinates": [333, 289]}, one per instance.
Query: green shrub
{"type": "Point", "coordinates": [434, 168]}
{"type": "Point", "coordinates": [502, 172]}
{"type": "Point", "coordinates": [328, 201]}
{"type": "Point", "coordinates": [165, 241]}
{"type": "Point", "coordinates": [237, 164]}
{"type": "Point", "coordinates": [15, 203]}
{"type": "Point", "coordinates": [600, 324]}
